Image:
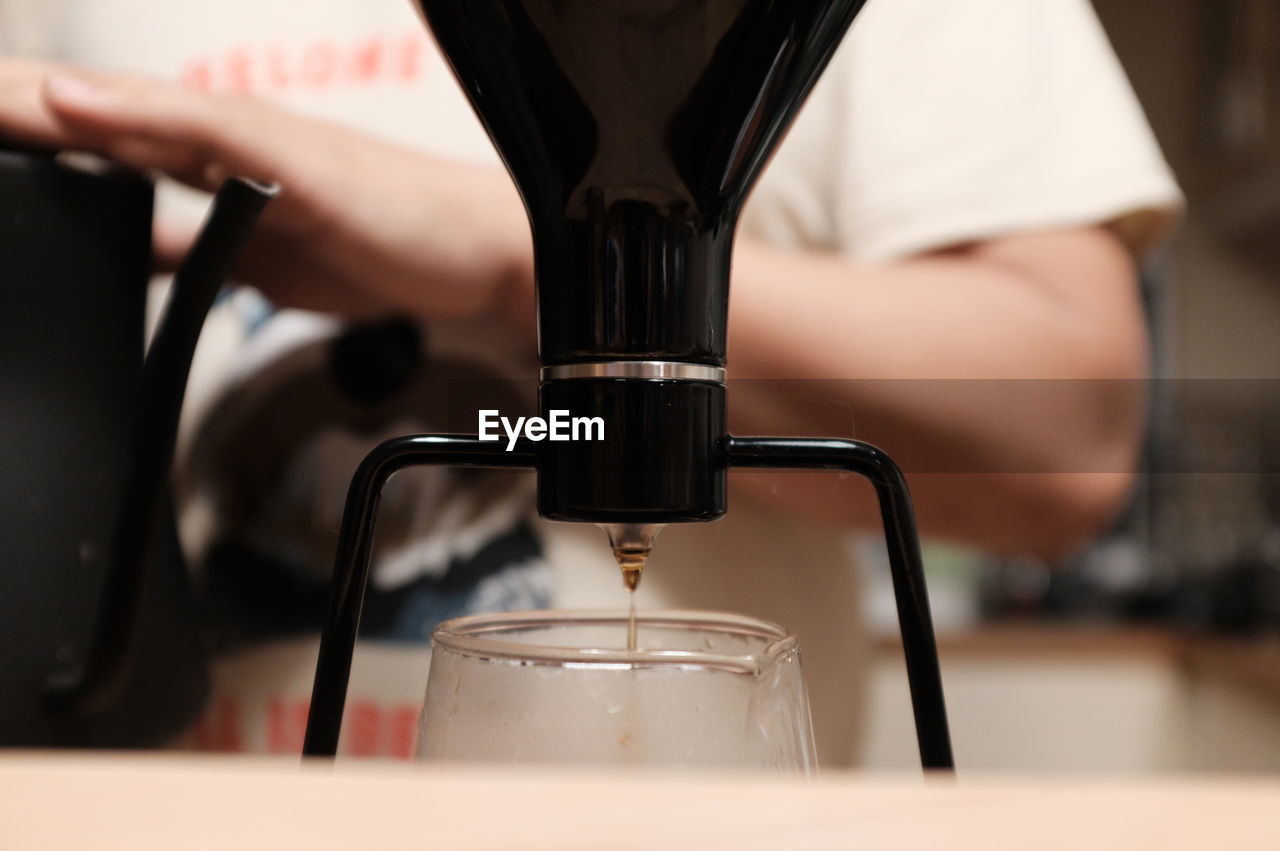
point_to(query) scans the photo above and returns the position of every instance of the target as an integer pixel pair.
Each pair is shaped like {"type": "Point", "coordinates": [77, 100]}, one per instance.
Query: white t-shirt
{"type": "Point", "coordinates": [938, 121]}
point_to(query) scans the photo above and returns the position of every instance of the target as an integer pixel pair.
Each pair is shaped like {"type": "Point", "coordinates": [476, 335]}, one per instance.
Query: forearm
{"type": "Point", "coordinates": [1012, 399]}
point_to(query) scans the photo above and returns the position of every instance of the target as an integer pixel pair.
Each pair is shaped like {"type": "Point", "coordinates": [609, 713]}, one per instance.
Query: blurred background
{"type": "Point", "coordinates": [1157, 650]}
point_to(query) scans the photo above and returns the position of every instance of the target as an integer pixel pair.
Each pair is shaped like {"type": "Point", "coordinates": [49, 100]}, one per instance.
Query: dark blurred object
{"type": "Point", "coordinates": [1243, 598]}
{"type": "Point", "coordinates": [76, 254]}
{"type": "Point", "coordinates": [1241, 97]}
{"type": "Point", "coordinates": [1200, 545]}
{"type": "Point", "coordinates": [1240, 119]}
{"type": "Point", "coordinates": [373, 361]}
{"type": "Point", "coordinates": [91, 687]}
{"type": "Point", "coordinates": [94, 596]}
{"type": "Point", "coordinates": [1213, 520]}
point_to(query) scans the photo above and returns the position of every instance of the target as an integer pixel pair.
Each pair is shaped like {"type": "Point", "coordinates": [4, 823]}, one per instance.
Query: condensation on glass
{"type": "Point", "coordinates": [704, 690]}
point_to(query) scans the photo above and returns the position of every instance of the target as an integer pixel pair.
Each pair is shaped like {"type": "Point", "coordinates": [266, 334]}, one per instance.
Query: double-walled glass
{"type": "Point", "coordinates": [702, 689]}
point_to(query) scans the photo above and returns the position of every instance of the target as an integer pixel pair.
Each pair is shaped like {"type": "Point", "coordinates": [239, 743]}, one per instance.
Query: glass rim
{"type": "Point", "coordinates": [471, 635]}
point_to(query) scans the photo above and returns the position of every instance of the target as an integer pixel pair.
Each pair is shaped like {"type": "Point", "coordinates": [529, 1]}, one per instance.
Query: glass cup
{"type": "Point", "coordinates": [702, 690]}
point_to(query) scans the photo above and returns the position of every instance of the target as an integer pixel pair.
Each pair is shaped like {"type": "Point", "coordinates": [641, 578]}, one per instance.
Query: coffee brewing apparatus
{"type": "Point", "coordinates": [634, 130]}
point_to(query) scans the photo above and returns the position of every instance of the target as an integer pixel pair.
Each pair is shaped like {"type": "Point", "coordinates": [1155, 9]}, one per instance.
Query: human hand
{"type": "Point", "coordinates": [362, 226]}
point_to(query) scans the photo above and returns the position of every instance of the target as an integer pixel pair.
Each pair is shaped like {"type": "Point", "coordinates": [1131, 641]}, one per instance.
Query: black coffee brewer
{"type": "Point", "coordinates": [634, 130]}
{"type": "Point", "coordinates": [87, 428]}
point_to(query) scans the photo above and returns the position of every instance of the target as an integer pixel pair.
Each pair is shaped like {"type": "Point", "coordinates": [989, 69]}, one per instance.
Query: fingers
{"type": "Point", "coordinates": [143, 124]}
{"type": "Point", "coordinates": [25, 116]}
{"type": "Point", "coordinates": [146, 124]}
{"type": "Point", "coordinates": [149, 109]}
{"type": "Point", "coordinates": [152, 125]}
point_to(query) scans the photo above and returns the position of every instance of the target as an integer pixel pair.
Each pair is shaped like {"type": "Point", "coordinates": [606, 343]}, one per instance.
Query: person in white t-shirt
{"type": "Point", "coordinates": [966, 195]}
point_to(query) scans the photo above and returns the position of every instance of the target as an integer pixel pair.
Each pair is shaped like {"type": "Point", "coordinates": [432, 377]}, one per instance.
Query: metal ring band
{"type": "Point", "coordinates": [650, 370]}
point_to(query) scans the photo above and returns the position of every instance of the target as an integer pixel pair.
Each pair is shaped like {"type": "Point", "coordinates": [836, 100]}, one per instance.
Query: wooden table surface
{"type": "Point", "coordinates": [180, 802]}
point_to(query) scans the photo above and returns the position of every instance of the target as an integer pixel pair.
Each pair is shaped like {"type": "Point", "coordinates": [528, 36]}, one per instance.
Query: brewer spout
{"type": "Point", "coordinates": [631, 543]}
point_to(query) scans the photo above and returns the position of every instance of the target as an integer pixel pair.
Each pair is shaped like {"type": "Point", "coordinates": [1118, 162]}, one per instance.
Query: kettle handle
{"type": "Point", "coordinates": [94, 687]}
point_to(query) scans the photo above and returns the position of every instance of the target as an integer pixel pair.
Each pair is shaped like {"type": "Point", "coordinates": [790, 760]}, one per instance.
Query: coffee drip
{"type": "Point", "coordinates": [631, 543]}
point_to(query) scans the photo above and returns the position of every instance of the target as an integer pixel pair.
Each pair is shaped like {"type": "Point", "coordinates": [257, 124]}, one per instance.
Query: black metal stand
{"type": "Point", "coordinates": [351, 569]}
{"type": "Point", "coordinates": [905, 563]}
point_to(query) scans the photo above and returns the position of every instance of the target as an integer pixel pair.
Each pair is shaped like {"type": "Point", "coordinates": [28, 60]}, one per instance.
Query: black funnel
{"type": "Point", "coordinates": [634, 130]}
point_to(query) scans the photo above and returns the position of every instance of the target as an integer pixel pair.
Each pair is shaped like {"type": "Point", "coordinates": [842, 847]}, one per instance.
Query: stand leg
{"type": "Point", "coordinates": [914, 619]}
{"type": "Point", "coordinates": [351, 567]}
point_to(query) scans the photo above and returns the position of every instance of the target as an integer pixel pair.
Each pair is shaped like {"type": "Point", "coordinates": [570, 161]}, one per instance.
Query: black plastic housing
{"type": "Point", "coordinates": [662, 459]}
{"type": "Point", "coordinates": [634, 130]}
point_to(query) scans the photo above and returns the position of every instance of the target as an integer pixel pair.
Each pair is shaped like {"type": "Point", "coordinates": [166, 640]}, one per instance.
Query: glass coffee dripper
{"type": "Point", "coordinates": [703, 690]}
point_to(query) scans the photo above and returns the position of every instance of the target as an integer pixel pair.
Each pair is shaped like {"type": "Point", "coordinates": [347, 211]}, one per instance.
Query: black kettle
{"type": "Point", "coordinates": [99, 639]}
